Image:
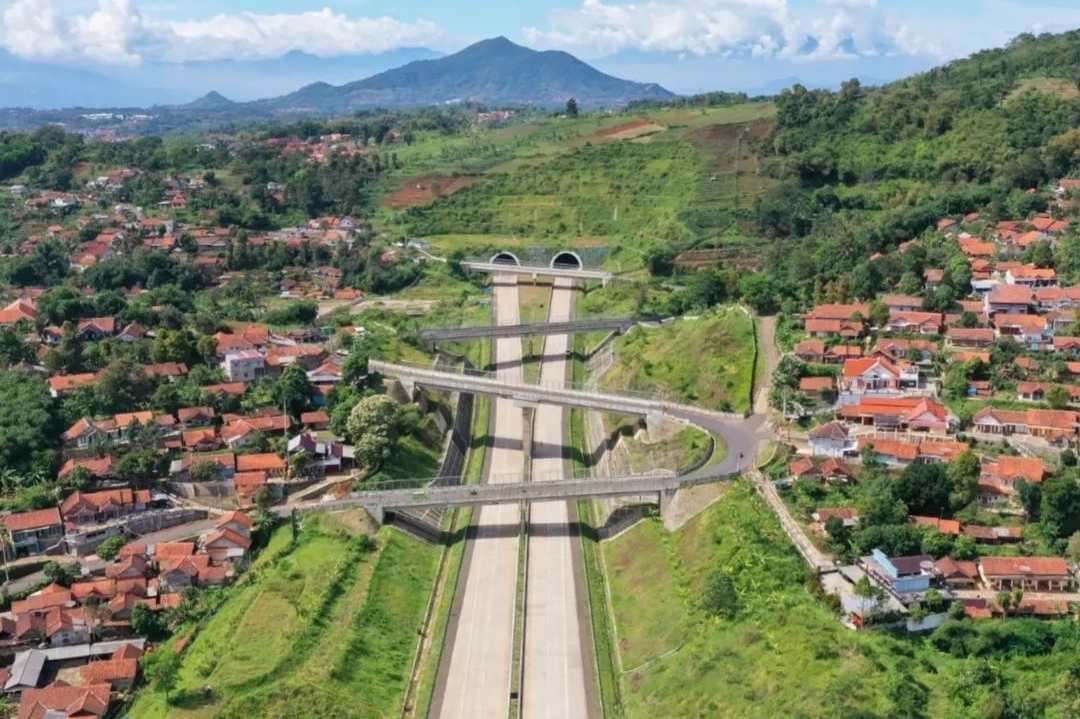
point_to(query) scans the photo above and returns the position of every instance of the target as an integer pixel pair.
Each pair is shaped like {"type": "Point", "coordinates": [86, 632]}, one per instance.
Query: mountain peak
{"type": "Point", "coordinates": [211, 101]}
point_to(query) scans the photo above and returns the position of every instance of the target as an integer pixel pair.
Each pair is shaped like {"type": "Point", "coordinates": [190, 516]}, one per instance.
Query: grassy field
{"type": "Point", "coordinates": [322, 630]}
{"type": "Point", "coordinates": [784, 654]}
{"type": "Point", "coordinates": [711, 367]}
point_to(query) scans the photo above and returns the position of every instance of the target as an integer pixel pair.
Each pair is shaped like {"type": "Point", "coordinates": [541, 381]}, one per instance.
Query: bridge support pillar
{"type": "Point", "coordinates": [653, 421]}
{"type": "Point", "coordinates": [409, 386]}
{"type": "Point", "coordinates": [377, 512]}
{"type": "Point", "coordinates": [666, 496]}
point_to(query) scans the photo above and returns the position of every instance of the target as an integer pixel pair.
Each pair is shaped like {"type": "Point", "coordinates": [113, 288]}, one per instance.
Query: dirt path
{"type": "Point", "coordinates": [766, 345]}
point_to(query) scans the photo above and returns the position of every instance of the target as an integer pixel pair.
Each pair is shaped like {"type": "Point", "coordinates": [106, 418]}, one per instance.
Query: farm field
{"type": "Point", "coordinates": [326, 629]}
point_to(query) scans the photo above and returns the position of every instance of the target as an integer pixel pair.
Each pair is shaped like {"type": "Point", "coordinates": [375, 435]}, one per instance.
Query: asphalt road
{"type": "Point", "coordinates": [554, 664]}
{"type": "Point", "coordinates": [478, 679]}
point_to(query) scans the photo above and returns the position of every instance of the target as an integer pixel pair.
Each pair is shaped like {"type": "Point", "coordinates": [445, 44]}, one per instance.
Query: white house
{"type": "Point", "coordinates": [831, 440]}
{"type": "Point", "coordinates": [244, 365]}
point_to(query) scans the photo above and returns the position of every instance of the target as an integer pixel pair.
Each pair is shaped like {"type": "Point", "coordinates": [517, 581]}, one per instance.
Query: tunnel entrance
{"type": "Point", "coordinates": [567, 260]}
{"type": "Point", "coordinates": [505, 258]}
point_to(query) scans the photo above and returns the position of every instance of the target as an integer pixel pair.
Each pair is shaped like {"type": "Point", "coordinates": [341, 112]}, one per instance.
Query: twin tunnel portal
{"type": "Point", "coordinates": [564, 260]}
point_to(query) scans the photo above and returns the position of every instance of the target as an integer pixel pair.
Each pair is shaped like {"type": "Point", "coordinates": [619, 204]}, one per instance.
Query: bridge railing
{"type": "Point", "coordinates": [545, 384]}
{"type": "Point", "coordinates": [583, 320]}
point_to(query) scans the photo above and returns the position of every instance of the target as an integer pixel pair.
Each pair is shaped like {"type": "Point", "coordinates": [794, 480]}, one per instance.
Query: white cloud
{"type": "Point", "coordinates": [117, 32]}
{"type": "Point", "coordinates": [755, 28]}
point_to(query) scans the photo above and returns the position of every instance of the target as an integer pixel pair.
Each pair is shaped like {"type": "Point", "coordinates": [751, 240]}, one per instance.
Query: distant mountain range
{"type": "Point", "coordinates": [492, 72]}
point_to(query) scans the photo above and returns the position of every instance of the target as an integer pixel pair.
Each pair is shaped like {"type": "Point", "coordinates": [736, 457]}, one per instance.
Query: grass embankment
{"type": "Point", "coordinates": [784, 654]}
{"type": "Point", "coordinates": [707, 362]}
{"type": "Point", "coordinates": [325, 629]}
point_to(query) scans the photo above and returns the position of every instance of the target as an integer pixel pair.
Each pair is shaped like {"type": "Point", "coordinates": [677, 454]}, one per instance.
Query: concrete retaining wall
{"type": "Point", "coordinates": [85, 542]}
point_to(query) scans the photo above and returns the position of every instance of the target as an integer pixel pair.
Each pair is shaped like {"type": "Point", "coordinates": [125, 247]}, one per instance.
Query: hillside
{"type": "Point", "coordinates": [493, 72]}
{"type": "Point", "coordinates": [864, 169]}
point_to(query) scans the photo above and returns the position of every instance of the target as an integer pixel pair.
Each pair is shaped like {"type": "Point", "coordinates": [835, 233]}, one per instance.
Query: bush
{"type": "Point", "coordinates": [108, 549]}
{"type": "Point", "coordinates": [718, 596]}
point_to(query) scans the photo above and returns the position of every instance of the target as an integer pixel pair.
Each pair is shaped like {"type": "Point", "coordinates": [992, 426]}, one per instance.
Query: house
{"type": "Point", "coordinates": [196, 416]}
{"type": "Point", "coordinates": [957, 575]}
{"type": "Point", "coordinates": [179, 470]}
{"type": "Point", "coordinates": [230, 389]}
{"type": "Point", "coordinates": [849, 515]}
{"type": "Point", "coordinates": [977, 337]}
{"type": "Point", "coordinates": [34, 532]}
{"type": "Point", "coordinates": [945, 526]}
{"type": "Point", "coordinates": [1005, 299]}
{"type": "Point", "coordinates": [237, 522]}
{"type": "Point", "coordinates": [1036, 391]}
{"type": "Point", "coordinates": [120, 674]}
{"type": "Point", "coordinates": [1066, 344]}
{"type": "Point", "coordinates": [1007, 470]}
{"type": "Point", "coordinates": [1033, 574]}
{"type": "Point", "coordinates": [825, 328]}
{"type": "Point", "coordinates": [1049, 424]}
{"type": "Point", "coordinates": [830, 440]}
{"type": "Point", "coordinates": [323, 456]}
{"type": "Point", "coordinates": [63, 701]}
{"type": "Point", "coordinates": [810, 351]}
{"type": "Point", "coordinates": [913, 414]}
{"type": "Point", "coordinates": [226, 545]}
{"type": "Point", "coordinates": [898, 349]}
{"type": "Point", "coordinates": [890, 452]}
{"type": "Point", "coordinates": [247, 484]}
{"type": "Point", "coordinates": [1031, 276]}
{"type": "Point", "coordinates": [171, 371]}
{"type": "Point", "coordinates": [267, 462]}
{"type": "Point", "coordinates": [133, 333]}
{"type": "Point", "coordinates": [132, 566]}
{"type": "Point", "coordinates": [903, 303]}
{"type": "Point", "coordinates": [62, 385]}
{"type": "Point", "coordinates": [244, 365]}
{"type": "Point", "coordinates": [84, 508]}
{"type": "Point", "coordinates": [204, 439]}
{"type": "Point", "coordinates": [901, 575]}
{"type": "Point", "coordinates": [873, 374]}
{"type": "Point", "coordinates": [96, 328]}
{"type": "Point", "coordinates": [923, 323]}
{"type": "Point", "coordinates": [818, 387]}
{"type": "Point", "coordinates": [933, 277]}
{"type": "Point", "coordinates": [831, 470]}
{"type": "Point", "coordinates": [326, 373]}
{"type": "Point", "coordinates": [993, 535]}
{"type": "Point", "coordinates": [320, 420]}
{"type": "Point", "coordinates": [1031, 330]}
{"type": "Point", "coordinates": [838, 354]}
{"type": "Point", "coordinates": [99, 468]}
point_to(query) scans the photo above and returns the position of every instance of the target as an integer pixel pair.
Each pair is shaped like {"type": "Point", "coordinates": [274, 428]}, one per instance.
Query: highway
{"type": "Point", "coordinates": [477, 680]}
{"type": "Point", "coordinates": [555, 679]}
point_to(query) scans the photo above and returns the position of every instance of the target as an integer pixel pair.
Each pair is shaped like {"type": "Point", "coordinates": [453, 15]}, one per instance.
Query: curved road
{"type": "Point", "coordinates": [477, 682]}
{"type": "Point", "coordinates": [555, 679]}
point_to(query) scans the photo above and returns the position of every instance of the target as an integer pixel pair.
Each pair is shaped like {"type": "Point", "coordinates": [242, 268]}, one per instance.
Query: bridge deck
{"type": "Point", "coordinates": [532, 329]}
{"type": "Point", "coordinates": [544, 394]}
{"type": "Point", "coordinates": [463, 495]}
{"type": "Point", "coordinates": [536, 270]}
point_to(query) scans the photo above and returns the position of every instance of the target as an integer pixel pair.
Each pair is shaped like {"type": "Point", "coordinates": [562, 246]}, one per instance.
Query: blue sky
{"type": "Point", "coordinates": [686, 44]}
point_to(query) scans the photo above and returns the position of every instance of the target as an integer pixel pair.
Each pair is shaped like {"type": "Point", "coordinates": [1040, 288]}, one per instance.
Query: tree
{"type": "Point", "coordinates": [1068, 457]}
{"type": "Point", "coordinates": [965, 548]}
{"type": "Point", "coordinates": [1004, 600]}
{"type": "Point", "coordinates": [718, 596]}
{"type": "Point", "coordinates": [205, 470]}
{"type": "Point", "coordinates": [372, 427]}
{"type": "Point", "coordinates": [963, 475]}
{"type": "Point", "coordinates": [147, 623]}
{"type": "Point", "coordinates": [295, 390]}
{"type": "Point", "coordinates": [29, 424]}
{"type": "Point", "coordinates": [925, 490]}
{"type": "Point", "coordinates": [108, 549]}
{"type": "Point", "coordinates": [878, 314]}
{"type": "Point", "coordinates": [1072, 550]}
{"type": "Point", "coordinates": [864, 590]}
{"type": "Point", "coordinates": [879, 504]}
{"type": "Point", "coordinates": [1030, 496]}
{"type": "Point", "coordinates": [1060, 506]}
{"type": "Point", "coordinates": [162, 668]}
{"type": "Point", "coordinates": [62, 574]}
{"type": "Point", "coordinates": [1058, 397]}
{"type": "Point", "coordinates": [571, 108]}
{"type": "Point", "coordinates": [355, 367]}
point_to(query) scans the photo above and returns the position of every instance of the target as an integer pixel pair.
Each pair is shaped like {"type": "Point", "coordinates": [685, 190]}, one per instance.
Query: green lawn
{"type": "Point", "coordinates": [323, 630]}
{"type": "Point", "coordinates": [708, 362]}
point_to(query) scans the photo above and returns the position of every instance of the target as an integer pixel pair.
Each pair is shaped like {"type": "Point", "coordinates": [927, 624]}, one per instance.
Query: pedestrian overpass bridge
{"type": "Point", "coordinates": [651, 407]}
{"type": "Point", "coordinates": [533, 329]}
{"type": "Point", "coordinates": [571, 271]}
{"type": "Point", "coordinates": [446, 492]}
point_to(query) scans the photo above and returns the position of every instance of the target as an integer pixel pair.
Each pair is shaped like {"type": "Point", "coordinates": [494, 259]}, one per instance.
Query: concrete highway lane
{"type": "Point", "coordinates": [555, 678]}
{"type": "Point", "coordinates": [478, 679]}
